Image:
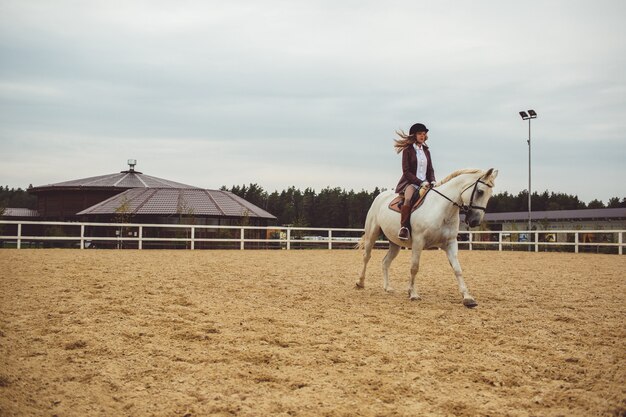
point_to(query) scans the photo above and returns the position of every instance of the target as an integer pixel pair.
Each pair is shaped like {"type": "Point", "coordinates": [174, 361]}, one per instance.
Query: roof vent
{"type": "Point", "coordinates": [131, 165]}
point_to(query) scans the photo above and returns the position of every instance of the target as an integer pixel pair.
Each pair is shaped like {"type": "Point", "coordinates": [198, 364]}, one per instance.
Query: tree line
{"type": "Point", "coordinates": [336, 207]}
{"type": "Point", "coordinates": [16, 198]}
{"type": "Point", "coordinates": [331, 207]}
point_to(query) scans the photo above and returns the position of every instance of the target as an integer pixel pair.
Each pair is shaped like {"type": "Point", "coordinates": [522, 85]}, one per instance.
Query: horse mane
{"type": "Point", "coordinates": [459, 172]}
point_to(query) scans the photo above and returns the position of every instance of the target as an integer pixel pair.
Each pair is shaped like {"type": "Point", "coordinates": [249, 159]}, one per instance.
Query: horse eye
{"type": "Point", "coordinates": [480, 192]}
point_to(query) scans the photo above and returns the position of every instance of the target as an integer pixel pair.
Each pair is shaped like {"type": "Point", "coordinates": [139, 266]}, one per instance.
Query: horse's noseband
{"type": "Point", "coordinates": [466, 208]}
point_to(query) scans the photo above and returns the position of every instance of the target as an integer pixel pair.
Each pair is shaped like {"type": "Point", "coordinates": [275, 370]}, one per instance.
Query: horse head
{"type": "Point", "coordinates": [476, 196]}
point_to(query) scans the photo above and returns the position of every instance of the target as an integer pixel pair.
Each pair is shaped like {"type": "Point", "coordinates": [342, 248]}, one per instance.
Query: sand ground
{"type": "Point", "coordinates": [193, 333]}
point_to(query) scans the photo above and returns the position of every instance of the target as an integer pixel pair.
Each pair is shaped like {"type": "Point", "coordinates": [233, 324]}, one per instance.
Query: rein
{"type": "Point", "coordinates": [462, 207]}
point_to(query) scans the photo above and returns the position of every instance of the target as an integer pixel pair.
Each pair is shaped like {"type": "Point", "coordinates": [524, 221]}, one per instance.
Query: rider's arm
{"type": "Point", "coordinates": [409, 165]}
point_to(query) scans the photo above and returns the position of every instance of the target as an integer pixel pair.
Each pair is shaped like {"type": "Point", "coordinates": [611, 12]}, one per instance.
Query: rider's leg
{"type": "Point", "coordinates": [405, 213]}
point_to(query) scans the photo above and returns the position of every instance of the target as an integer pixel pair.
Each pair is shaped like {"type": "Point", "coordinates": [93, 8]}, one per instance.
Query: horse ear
{"type": "Point", "coordinates": [491, 174]}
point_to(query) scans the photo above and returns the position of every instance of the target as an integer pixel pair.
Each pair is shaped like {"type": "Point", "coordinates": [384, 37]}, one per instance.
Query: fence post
{"type": "Point", "coordinates": [82, 236]}
{"type": "Point", "coordinates": [140, 243]}
{"type": "Point", "coordinates": [620, 241]}
{"type": "Point", "coordinates": [499, 241]}
{"type": "Point", "coordinates": [330, 239]}
{"type": "Point", "coordinates": [575, 242]}
{"type": "Point", "coordinates": [241, 237]}
{"type": "Point", "coordinates": [19, 236]}
{"type": "Point", "coordinates": [536, 241]}
{"type": "Point", "coordinates": [193, 238]}
{"type": "Point", "coordinates": [288, 238]}
{"type": "Point", "coordinates": [471, 238]}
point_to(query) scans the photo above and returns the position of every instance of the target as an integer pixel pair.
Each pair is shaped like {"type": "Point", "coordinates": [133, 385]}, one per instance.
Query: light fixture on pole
{"type": "Point", "coordinates": [528, 116]}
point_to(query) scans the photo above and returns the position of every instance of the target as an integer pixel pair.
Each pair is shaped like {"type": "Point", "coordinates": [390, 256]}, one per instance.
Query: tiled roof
{"type": "Point", "coordinates": [603, 213]}
{"type": "Point", "coordinates": [19, 212]}
{"type": "Point", "coordinates": [172, 201]}
{"type": "Point", "coordinates": [123, 180]}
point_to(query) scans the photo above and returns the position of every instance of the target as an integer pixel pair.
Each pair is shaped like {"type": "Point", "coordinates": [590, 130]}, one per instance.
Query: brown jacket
{"type": "Point", "coordinates": [409, 168]}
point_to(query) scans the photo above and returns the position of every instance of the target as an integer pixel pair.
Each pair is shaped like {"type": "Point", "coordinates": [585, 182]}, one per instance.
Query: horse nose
{"type": "Point", "coordinates": [474, 222]}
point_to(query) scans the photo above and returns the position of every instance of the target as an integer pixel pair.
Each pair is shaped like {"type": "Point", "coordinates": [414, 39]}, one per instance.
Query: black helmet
{"type": "Point", "coordinates": [416, 128]}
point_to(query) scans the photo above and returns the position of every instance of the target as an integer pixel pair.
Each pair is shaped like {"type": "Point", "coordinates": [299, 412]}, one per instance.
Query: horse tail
{"type": "Point", "coordinates": [370, 224]}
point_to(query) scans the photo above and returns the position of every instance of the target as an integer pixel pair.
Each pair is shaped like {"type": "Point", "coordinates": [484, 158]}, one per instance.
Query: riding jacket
{"type": "Point", "coordinates": [409, 168]}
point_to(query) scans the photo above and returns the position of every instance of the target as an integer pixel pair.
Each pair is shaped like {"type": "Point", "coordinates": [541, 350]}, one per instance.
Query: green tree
{"type": "Point", "coordinates": [17, 198]}
{"type": "Point", "coordinates": [123, 215]}
{"type": "Point", "coordinates": [595, 204]}
{"type": "Point", "coordinates": [616, 203]}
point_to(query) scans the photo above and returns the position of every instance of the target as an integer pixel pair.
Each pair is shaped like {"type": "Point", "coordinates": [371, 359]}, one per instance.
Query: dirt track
{"type": "Point", "coordinates": [164, 333]}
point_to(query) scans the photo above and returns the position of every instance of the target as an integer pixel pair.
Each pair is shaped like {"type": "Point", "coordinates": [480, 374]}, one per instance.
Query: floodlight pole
{"type": "Point", "coordinates": [529, 176]}
{"type": "Point", "coordinates": [528, 116]}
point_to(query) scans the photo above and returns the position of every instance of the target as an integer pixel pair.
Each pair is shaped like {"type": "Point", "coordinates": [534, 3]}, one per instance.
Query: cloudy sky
{"type": "Point", "coordinates": [309, 93]}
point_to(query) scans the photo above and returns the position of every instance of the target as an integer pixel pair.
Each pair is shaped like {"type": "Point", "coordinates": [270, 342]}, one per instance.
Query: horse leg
{"type": "Point", "coordinates": [367, 243]}
{"type": "Point", "coordinates": [452, 250]}
{"type": "Point", "coordinates": [391, 255]}
{"type": "Point", "coordinates": [415, 266]}
{"type": "Point", "coordinates": [367, 254]}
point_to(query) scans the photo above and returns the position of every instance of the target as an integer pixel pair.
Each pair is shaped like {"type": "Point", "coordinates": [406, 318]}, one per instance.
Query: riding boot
{"type": "Point", "coordinates": [405, 220]}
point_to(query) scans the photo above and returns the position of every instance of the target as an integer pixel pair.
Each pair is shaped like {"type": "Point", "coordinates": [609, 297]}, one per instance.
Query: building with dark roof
{"type": "Point", "coordinates": [132, 196]}
{"type": "Point", "coordinates": [63, 200]}
{"type": "Point", "coordinates": [587, 219]}
{"type": "Point", "coordinates": [593, 220]}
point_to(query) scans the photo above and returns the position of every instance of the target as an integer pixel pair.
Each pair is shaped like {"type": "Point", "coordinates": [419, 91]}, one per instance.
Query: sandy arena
{"type": "Point", "coordinates": [258, 333]}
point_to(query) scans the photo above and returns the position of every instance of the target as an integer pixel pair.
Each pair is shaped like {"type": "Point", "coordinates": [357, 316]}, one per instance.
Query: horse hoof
{"type": "Point", "coordinates": [359, 286]}
{"type": "Point", "coordinates": [469, 302]}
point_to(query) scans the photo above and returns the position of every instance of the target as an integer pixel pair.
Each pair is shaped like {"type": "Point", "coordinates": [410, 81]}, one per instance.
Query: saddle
{"type": "Point", "coordinates": [418, 199]}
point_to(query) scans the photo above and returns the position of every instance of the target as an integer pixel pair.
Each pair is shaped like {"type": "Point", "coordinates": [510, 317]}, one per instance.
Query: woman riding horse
{"type": "Point", "coordinates": [464, 191]}
{"type": "Point", "coordinates": [417, 170]}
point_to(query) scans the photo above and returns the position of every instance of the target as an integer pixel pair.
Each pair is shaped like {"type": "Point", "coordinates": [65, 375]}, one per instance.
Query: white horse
{"type": "Point", "coordinates": [434, 224]}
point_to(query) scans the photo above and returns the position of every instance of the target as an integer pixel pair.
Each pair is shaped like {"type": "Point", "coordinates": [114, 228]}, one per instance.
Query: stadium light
{"type": "Point", "coordinates": [529, 116]}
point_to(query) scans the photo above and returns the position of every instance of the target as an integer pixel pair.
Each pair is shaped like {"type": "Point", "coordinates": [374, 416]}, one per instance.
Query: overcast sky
{"type": "Point", "coordinates": [309, 93]}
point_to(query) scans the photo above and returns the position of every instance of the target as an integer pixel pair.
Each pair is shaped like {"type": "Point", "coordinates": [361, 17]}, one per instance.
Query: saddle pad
{"type": "Point", "coordinates": [397, 202]}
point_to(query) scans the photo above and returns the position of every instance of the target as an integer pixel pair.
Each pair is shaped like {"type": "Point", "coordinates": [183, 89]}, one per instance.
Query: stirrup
{"type": "Point", "coordinates": [401, 236]}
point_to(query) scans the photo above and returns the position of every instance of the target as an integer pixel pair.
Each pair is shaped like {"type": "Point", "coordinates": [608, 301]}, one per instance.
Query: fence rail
{"type": "Point", "coordinates": [20, 234]}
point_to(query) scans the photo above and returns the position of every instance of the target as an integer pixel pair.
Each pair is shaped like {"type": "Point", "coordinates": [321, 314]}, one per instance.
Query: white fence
{"type": "Point", "coordinates": [20, 234]}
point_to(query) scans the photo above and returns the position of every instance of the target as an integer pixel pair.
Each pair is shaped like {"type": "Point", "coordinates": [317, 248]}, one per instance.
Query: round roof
{"type": "Point", "coordinates": [185, 201]}
{"type": "Point", "coordinates": [121, 180]}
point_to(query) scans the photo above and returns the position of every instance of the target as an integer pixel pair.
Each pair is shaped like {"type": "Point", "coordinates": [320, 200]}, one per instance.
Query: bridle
{"type": "Point", "coordinates": [463, 207]}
